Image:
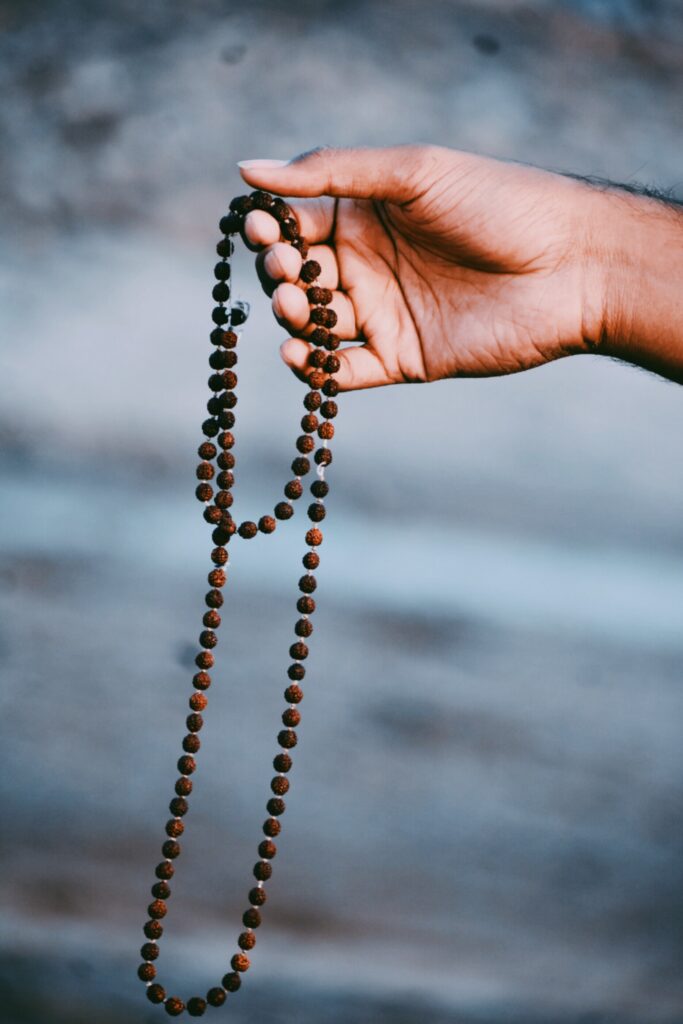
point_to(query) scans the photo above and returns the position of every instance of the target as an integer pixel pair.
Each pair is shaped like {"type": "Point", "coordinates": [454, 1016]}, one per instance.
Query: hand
{"type": "Point", "coordinates": [442, 263]}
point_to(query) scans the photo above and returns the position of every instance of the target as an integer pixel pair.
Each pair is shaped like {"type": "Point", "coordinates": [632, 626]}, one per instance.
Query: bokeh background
{"type": "Point", "coordinates": [485, 823]}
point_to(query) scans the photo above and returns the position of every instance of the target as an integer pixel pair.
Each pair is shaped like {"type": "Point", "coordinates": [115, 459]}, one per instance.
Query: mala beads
{"type": "Point", "coordinates": [214, 491]}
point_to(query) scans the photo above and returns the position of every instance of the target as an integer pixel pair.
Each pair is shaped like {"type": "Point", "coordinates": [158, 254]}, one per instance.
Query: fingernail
{"type": "Point", "coordinates": [252, 165]}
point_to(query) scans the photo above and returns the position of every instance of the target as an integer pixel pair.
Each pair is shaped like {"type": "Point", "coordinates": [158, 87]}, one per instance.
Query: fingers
{"type": "Point", "coordinates": [392, 173]}
{"type": "Point", "coordinates": [315, 218]}
{"type": "Point", "coordinates": [292, 311]}
{"type": "Point", "coordinates": [360, 367]}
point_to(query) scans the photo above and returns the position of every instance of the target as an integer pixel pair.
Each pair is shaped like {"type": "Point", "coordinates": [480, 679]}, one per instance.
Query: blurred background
{"type": "Point", "coordinates": [484, 824]}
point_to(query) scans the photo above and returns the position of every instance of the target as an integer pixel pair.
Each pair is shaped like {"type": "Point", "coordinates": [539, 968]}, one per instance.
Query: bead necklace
{"type": "Point", "coordinates": [227, 317]}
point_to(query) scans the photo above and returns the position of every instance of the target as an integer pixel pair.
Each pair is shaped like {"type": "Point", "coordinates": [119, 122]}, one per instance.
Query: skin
{"type": "Point", "coordinates": [446, 264]}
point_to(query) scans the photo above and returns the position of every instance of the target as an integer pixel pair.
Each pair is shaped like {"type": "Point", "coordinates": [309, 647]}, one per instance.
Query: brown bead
{"type": "Point", "coordinates": [247, 940]}
{"type": "Point", "coordinates": [231, 981]}
{"type": "Point", "coordinates": [303, 627]}
{"type": "Point", "coordinates": [179, 806]}
{"type": "Point", "coordinates": [206, 450]}
{"type": "Point", "coordinates": [307, 584]}
{"type": "Point", "coordinates": [247, 529]}
{"type": "Point", "coordinates": [309, 423]}
{"type": "Point", "coordinates": [257, 896]}
{"type": "Point", "coordinates": [330, 388]}
{"type": "Point", "coordinates": [156, 993]}
{"type": "Point", "coordinates": [293, 695]}
{"type": "Point", "coordinates": [183, 786]}
{"type": "Point", "coordinates": [214, 599]}
{"type": "Point", "coordinates": [263, 870]}
{"type": "Point", "coordinates": [221, 271]}
{"type": "Point", "coordinates": [240, 962]}
{"type": "Point", "coordinates": [164, 871]}
{"type": "Point", "coordinates": [291, 717]}
{"type": "Point", "coordinates": [215, 382]}
{"type": "Point", "coordinates": [305, 444]}
{"type": "Point", "coordinates": [229, 339]}
{"type": "Point", "coordinates": [157, 909]}
{"type": "Point", "coordinates": [226, 460]}
{"type": "Point", "coordinates": [319, 336]}
{"type": "Point", "coordinates": [294, 489]}
{"type": "Point", "coordinates": [204, 492]}
{"type": "Point", "coordinates": [312, 402]}
{"type": "Point", "coordinates": [204, 659]}
{"type": "Point", "coordinates": [226, 440]}
{"type": "Point", "coordinates": [279, 209]}
{"type": "Point", "coordinates": [326, 431]}
{"type": "Point", "coordinates": [174, 1006]}
{"type": "Point", "coordinates": [296, 671]}
{"type": "Point", "coordinates": [146, 972]}
{"type": "Point", "coordinates": [279, 785]}
{"type": "Point", "coordinates": [287, 738]}
{"type": "Point", "coordinates": [186, 765]}
{"type": "Point", "coordinates": [153, 929]}
{"type": "Point", "coordinates": [271, 827]}
{"type": "Point", "coordinates": [282, 762]}
{"type": "Point", "coordinates": [298, 651]}
{"type": "Point", "coordinates": [241, 205]}
{"type": "Point", "coordinates": [205, 471]}
{"type": "Point", "coordinates": [229, 379]}
{"type": "Point", "coordinates": [220, 358]}
{"type": "Point", "coordinates": [212, 514]}
{"type": "Point", "coordinates": [149, 951]}
{"type": "Point", "coordinates": [310, 271]}
{"type": "Point", "coordinates": [320, 488]}
{"type": "Point", "coordinates": [305, 604]}
{"type": "Point", "coordinates": [317, 358]}
{"type": "Point", "coordinates": [211, 619]}
{"type": "Point", "coordinates": [196, 1007]}
{"type": "Point", "coordinates": [301, 465]}
{"type": "Point", "coordinates": [216, 996]}
{"type": "Point", "coordinates": [283, 510]}
{"type": "Point", "coordinates": [209, 428]}
{"type": "Point", "coordinates": [191, 743]}
{"type": "Point", "coordinates": [323, 457]}
{"type": "Point", "coordinates": [208, 638]}
{"type": "Point", "coordinates": [171, 849]}
{"type": "Point", "coordinates": [224, 499]}
{"type": "Point", "coordinates": [332, 364]}
{"type": "Point", "coordinates": [316, 511]}
{"type": "Point", "coordinates": [228, 524]}
{"type": "Point", "coordinates": [319, 296]}
{"type": "Point", "coordinates": [251, 918]}
{"type": "Point", "coordinates": [317, 378]}
{"type": "Point", "coordinates": [261, 200]}
{"type": "Point", "coordinates": [267, 849]}
{"type": "Point", "coordinates": [289, 229]}
{"type": "Point", "coordinates": [198, 701]}
{"type": "Point", "coordinates": [202, 680]}
{"type": "Point", "coordinates": [333, 342]}
{"type": "Point", "coordinates": [219, 555]}
{"type": "Point", "coordinates": [267, 524]}
{"type": "Point", "coordinates": [174, 828]}
{"type": "Point", "coordinates": [225, 479]}
{"type": "Point", "coordinates": [194, 722]}
{"type": "Point", "coordinates": [311, 560]}
{"type": "Point", "coordinates": [276, 805]}
{"type": "Point", "coordinates": [217, 578]}
{"type": "Point", "coordinates": [161, 890]}
{"type": "Point", "coordinates": [329, 409]}
{"type": "Point", "coordinates": [320, 316]}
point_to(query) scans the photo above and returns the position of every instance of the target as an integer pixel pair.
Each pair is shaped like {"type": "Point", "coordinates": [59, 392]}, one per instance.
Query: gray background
{"type": "Point", "coordinates": [485, 816]}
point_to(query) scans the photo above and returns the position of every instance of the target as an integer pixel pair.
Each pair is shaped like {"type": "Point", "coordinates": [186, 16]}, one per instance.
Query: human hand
{"type": "Point", "coordinates": [442, 263]}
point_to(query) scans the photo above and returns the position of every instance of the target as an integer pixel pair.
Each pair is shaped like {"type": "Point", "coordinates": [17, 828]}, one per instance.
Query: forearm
{"type": "Point", "coordinates": [641, 244]}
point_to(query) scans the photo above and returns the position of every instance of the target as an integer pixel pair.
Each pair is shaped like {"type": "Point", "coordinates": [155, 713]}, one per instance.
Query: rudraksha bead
{"type": "Point", "coordinates": [289, 229]}
{"type": "Point", "coordinates": [296, 671]}
{"type": "Point", "coordinates": [210, 428]}
{"type": "Point", "coordinates": [183, 786]}
{"type": "Point", "coordinates": [213, 406]}
{"type": "Point", "coordinates": [231, 981]}
{"type": "Point", "coordinates": [174, 1006]}
{"type": "Point", "coordinates": [282, 762]}
{"type": "Point", "coordinates": [330, 388]}
{"type": "Point", "coordinates": [271, 827]}
{"type": "Point", "coordinates": [329, 409]}
{"type": "Point", "coordinates": [230, 223]}
{"type": "Point", "coordinates": [276, 806]}
{"type": "Point", "coordinates": [153, 929]}
{"type": "Point", "coordinates": [310, 271]}
{"type": "Point", "coordinates": [306, 604]}
{"type": "Point", "coordinates": [320, 316]}
{"type": "Point", "coordinates": [312, 401]}
{"type": "Point", "coordinates": [298, 650]}
{"type": "Point", "coordinates": [224, 499]}
{"type": "Point", "coordinates": [161, 890]}
{"type": "Point", "coordinates": [247, 940]}
{"type": "Point", "coordinates": [198, 701]}
{"type": "Point", "coordinates": [261, 200]}
{"type": "Point", "coordinates": [317, 358]}
{"type": "Point", "coordinates": [222, 359]}
{"type": "Point", "coordinates": [211, 618]}
{"type": "Point", "coordinates": [157, 909]}
{"type": "Point", "coordinates": [257, 895]}
{"type": "Point", "coordinates": [242, 205]}
{"type": "Point", "coordinates": [207, 638]}
{"type": "Point", "coordinates": [307, 583]}
{"type": "Point", "coordinates": [319, 296]}
{"type": "Point", "coordinates": [326, 431]}
{"type": "Point", "coordinates": [214, 599]}
{"type": "Point", "coordinates": [305, 444]}
{"type": "Point", "coordinates": [149, 951]}
{"type": "Point", "coordinates": [171, 849]}
{"type": "Point", "coordinates": [226, 460]}
{"type": "Point", "coordinates": [332, 364]}
{"type": "Point", "coordinates": [226, 440]}
{"type": "Point", "coordinates": [267, 524]}
{"type": "Point", "coordinates": [221, 291]}
{"type": "Point", "coordinates": [251, 918]}
{"type": "Point", "coordinates": [280, 209]}
{"type": "Point", "coordinates": [283, 510]}
{"type": "Point", "coordinates": [300, 465]}
{"type": "Point", "coordinates": [186, 764]}
{"type": "Point", "coordinates": [196, 1007]}
{"type": "Point", "coordinates": [287, 738]}
{"type": "Point", "coordinates": [291, 717]}
{"type": "Point", "coordinates": [314, 536]}
{"type": "Point", "coordinates": [263, 870]}
{"type": "Point", "coordinates": [323, 457]}
{"type": "Point", "coordinates": [163, 871]}
{"type": "Point", "coordinates": [191, 743]}
{"type": "Point", "coordinates": [221, 271]}
{"type": "Point", "coordinates": [204, 660]}
{"type": "Point", "coordinates": [213, 514]}
{"type": "Point", "coordinates": [247, 529]}
{"type": "Point", "coordinates": [228, 524]}
{"type": "Point", "coordinates": [317, 378]}
{"type": "Point", "coordinates": [293, 695]}
{"type": "Point", "coordinates": [216, 996]}
{"type": "Point", "coordinates": [303, 628]}
{"type": "Point", "coordinates": [240, 962]}
{"type": "Point", "coordinates": [217, 578]}
{"type": "Point", "coordinates": [320, 488]}
{"type": "Point", "coordinates": [294, 489]}
{"type": "Point", "coordinates": [146, 972]}
{"type": "Point", "coordinates": [174, 828]}
{"type": "Point", "coordinates": [225, 479]}
{"type": "Point", "coordinates": [225, 247]}
{"type": "Point", "coordinates": [319, 336]}
{"type": "Point", "coordinates": [219, 555]}
{"type": "Point", "coordinates": [219, 315]}
{"type": "Point", "coordinates": [156, 993]}
{"type": "Point", "coordinates": [279, 785]}
{"type": "Point", "coordinates": [309, 423]}
{"type": "Point", "coordinates": [207, 450]}
{"type": "Point", "coordinates": [204, 492]}
{"type": "Point", "coordinates": [316, 511]}
{"type": "Point", "coordinates": [228, 401]}
{"type": "Point", "coordinates": [194, 722]}
{"type": "Point", "coordinates": [179, 806]}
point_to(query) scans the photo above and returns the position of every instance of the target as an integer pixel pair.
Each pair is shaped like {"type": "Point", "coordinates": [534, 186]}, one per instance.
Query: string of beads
{"type": "Point", "coordinates": [321, 408]}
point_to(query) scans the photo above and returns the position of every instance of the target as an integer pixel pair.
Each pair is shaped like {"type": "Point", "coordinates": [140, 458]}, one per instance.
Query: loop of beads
{"type": "Point", "coordinates": [214, 490]}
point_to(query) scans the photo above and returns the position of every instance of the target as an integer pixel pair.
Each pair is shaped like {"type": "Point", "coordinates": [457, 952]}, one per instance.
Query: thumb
{"type": "Point", "coordinates": [394, 173]}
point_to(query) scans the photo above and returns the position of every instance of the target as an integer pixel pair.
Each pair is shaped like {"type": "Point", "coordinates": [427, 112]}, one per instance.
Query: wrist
{"type": "Point", "coordinates": [635, 293]}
